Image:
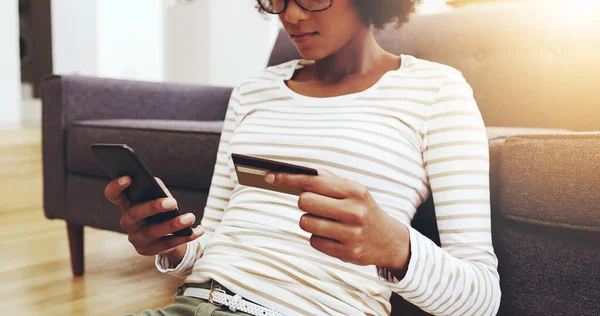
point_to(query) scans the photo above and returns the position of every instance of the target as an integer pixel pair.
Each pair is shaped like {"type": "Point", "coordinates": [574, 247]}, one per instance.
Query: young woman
{"type": "Point", "coordinates": [384, 132]}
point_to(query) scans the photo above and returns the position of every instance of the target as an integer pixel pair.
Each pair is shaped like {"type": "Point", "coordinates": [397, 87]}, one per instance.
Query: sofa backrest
{"type": "Point", "coordinates": [530, 63]}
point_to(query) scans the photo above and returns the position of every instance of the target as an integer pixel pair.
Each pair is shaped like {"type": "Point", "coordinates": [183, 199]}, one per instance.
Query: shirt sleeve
{"type": "Point", "coordinates": [461, 277]}
{"type": "Point", "coordinates": [219, 193]}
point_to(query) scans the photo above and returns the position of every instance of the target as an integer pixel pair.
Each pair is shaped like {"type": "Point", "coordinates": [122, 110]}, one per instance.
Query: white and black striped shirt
{"type": "Point", "coordinates": [416, 132]}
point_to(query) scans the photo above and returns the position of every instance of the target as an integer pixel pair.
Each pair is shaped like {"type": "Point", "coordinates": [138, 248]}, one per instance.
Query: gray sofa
{"type": "Point", "coordinates": [535, 75]}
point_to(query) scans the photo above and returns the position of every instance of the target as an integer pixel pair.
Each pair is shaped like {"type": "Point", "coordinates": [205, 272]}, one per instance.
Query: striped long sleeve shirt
{"type": "Point", "coordinates": [416, 132]}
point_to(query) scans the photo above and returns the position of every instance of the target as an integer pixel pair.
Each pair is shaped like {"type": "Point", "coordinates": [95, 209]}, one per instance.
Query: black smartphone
{"type": "Point", "coordinates": [120, 160]}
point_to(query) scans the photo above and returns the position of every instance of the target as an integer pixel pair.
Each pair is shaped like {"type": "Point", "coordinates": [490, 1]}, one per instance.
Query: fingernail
{"type": "Point", "coordinates": [168, 204]}
{"type": "Point", "coordinates": [199, 230]}
{"type": "Point", "coordinates": [270, 178]}
{"type": "Point", "coordinates": [187, 219]}
{"type": "Point", "coordinates": [123, 180]}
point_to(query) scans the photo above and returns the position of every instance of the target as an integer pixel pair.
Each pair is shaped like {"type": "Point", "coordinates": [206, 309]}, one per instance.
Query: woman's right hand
{"type": "Point", "coordinates": [152, 239]}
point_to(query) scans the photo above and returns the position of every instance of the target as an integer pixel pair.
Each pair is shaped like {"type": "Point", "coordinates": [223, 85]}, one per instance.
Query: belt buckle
{"type": "Point", "coordinates": [210, 295]}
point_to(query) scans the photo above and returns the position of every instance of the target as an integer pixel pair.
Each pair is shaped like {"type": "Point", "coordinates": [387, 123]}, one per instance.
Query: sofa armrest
{"type": "Point", "coordinates": [89, 98]}
{"type": "Point", "coordinates": [552, 180]}
{"type": "Point", "coordinates": [67, 99]}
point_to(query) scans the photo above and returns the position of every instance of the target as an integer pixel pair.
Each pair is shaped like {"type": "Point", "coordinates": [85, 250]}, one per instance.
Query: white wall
{"type": "Point", "coordinates": [10, 69]}
{"type": "Point", "coordinates": [217, 42]}
{"type": "Point", "coordinates": [74, 39]}
{"type": "Point", "coordinates": [109, 38]}
{"type": "Point", "coordinates": [241, 40]}
{"type": "Point", "coordinates": [187, 29]}
{"type": "Point", "coordinates": [130, 39]}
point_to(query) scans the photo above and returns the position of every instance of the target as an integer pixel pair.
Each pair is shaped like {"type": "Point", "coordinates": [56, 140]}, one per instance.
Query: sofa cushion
{"type": "Point", "coordinates": [502, 133]}
{"type": "Point", "coordinates": [552, 180]}
{"type": "Point", "coordinates": [497, 136]}
{"type": "Point", "coordinates": [546, 270]}
{"type": "Point", "coordinates": [182, 153]}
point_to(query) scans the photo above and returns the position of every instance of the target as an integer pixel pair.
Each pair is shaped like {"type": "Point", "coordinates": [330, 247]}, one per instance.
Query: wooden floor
{"type": "Point", "coordinates": [35, 273]}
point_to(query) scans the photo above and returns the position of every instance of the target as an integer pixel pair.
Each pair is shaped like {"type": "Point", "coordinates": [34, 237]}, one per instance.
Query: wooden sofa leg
{"type": "Point", "coordinates": [75, 233]}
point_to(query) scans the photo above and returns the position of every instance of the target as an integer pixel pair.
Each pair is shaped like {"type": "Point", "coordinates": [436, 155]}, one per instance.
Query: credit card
{"type": "Point", "coordinates": [251, 172]}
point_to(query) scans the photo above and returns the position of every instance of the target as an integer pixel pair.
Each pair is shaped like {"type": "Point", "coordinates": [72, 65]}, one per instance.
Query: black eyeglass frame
{"type": "Point", "coordinates": [299, 4]}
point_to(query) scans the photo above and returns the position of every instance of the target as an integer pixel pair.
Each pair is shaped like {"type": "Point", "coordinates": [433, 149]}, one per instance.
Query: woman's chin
{"type": "Point", "coordinates": [310, 53]}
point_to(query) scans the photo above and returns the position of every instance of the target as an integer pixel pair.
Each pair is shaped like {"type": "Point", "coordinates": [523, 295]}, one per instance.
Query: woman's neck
{"type": "Point", "coordinates": [359, 56]}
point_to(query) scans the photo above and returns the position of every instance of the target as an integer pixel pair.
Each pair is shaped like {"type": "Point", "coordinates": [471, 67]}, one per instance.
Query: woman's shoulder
{"type": "Point", "coordinates": [274, 73]}
{"type": "Point", "coordinates": [414, 67]}
{"type": "Point", "coordinates": [445, 86]}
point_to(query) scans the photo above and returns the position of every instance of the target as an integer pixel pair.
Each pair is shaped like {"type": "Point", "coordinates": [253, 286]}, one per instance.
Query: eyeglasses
{"type": "Point", "coordinates": [278, 6]}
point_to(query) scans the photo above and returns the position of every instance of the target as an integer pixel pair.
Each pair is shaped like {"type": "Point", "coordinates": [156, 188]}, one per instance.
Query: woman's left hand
{"type": "Point", "coordinates": [346, 222]}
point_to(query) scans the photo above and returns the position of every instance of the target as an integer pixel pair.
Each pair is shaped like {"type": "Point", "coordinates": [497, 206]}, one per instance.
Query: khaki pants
{"type": "Point", "coordinates": [190, 306]}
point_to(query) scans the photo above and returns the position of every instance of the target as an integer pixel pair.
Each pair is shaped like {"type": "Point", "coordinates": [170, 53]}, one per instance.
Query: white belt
{"type": "Point", "coordinates": [235, 303]}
